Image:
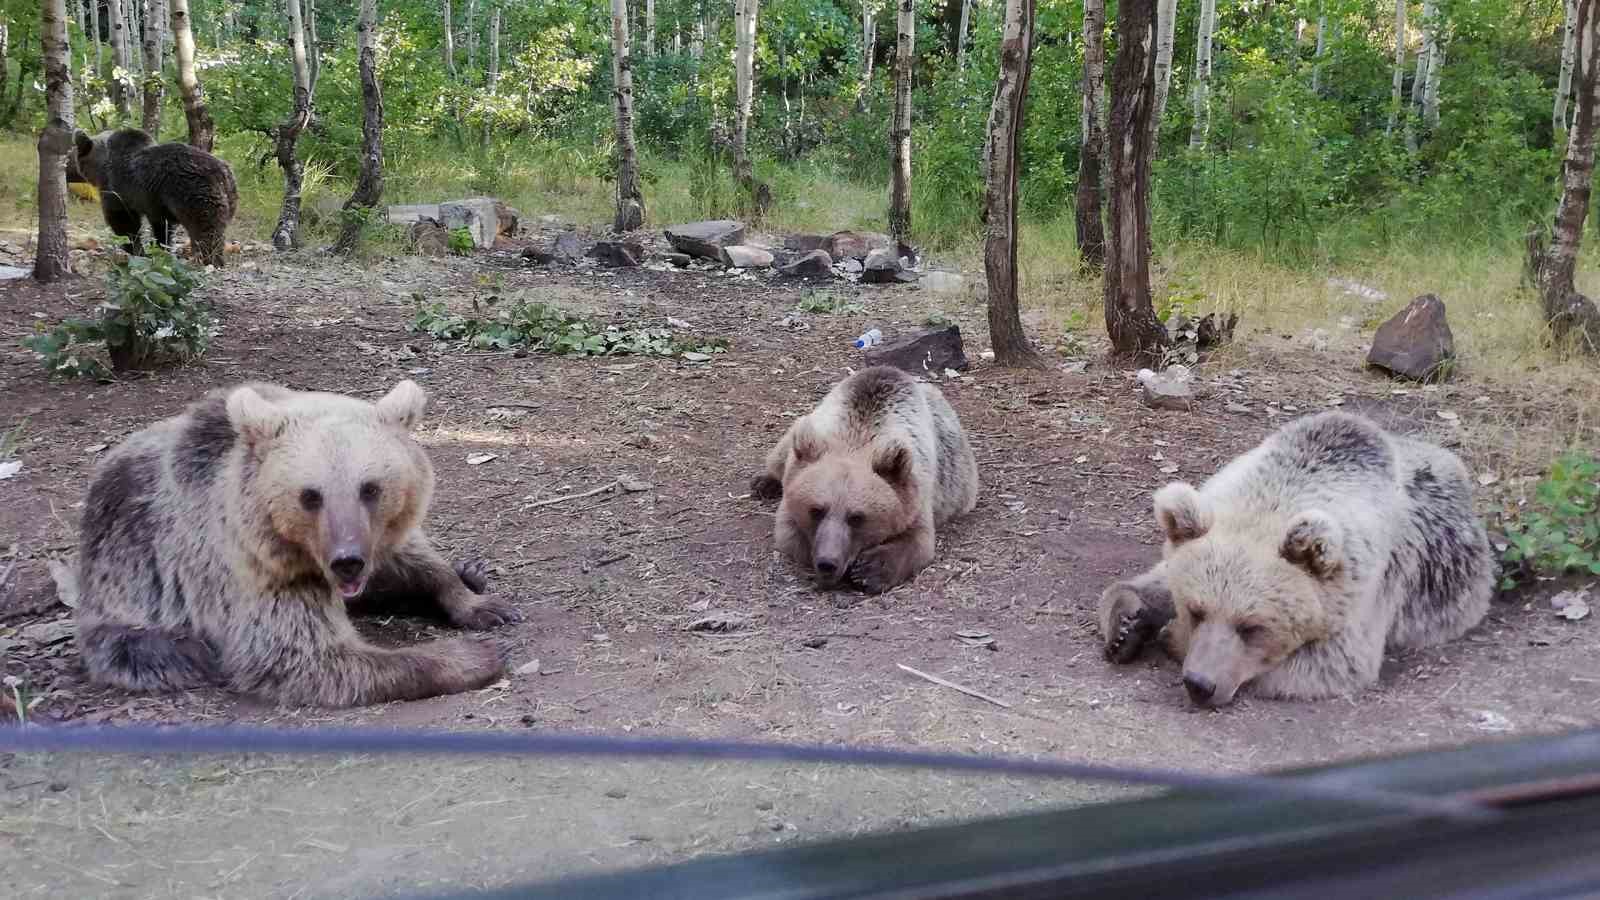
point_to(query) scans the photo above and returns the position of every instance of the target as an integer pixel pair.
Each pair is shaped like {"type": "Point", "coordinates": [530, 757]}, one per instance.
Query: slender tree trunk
{"type": "Point", "coordinates": [369, 185]}
{"type": "Point", "coordinates": [202, 130]}
{"type": "Point", "coordinates": [1002, 156]}
{"type": "Point", "coordinates": [1201, 129]}
{"type": "Point", "coordinates": [154, 85]}
{"type": "Point", "coordinates": [449, 39]}
{"type": "Point", "coordinates": [472, 38]}
{"type": "Point", "coordinates": [1091, 156]}
{"type": "Point", "coordinates": [1430, 95]}
{"type": "Point", "coordinates": [1166, 25]}
{"type": "Point", "coordinates": [287, 235]}
{"type": "Point", "coordinates": [77, 8]}
{"type": "Point", "coordinates": [745, 15]}
{"type": "Point", "coordinates": [1569, 52]}
{"type": "Point", "coordinates": [649, 27]}
{"type": "Point", "coordinates": [5, 57]}
{"type": "Point", "coordinates": [630, 194]}
{"type": "Point", "coordinates": [313, 44]}
{"type": "Point", "coordinates": [1130, 317]}
{"type": "Point", "coordinates": [961, 35]}
{"type": "Point", "coordinates": [869, 37]}
{"type": "Point", "coordinates": [94, 31]}
{"type": "Point", "coordinates": [119, 58]}
{"type": "Point", "coordinates": [900, 133]}
{"type": "Point", "coordinates": [1569, 312]}
{"type": "Point", "coordinates": [1399, 64]}
{"type": "Point", "coordinates": [494, 46]}
{"type": "Point", "coordinates": [1322, 44]}
{"type": "Point", "coordinates": [55, 142]}
{"type": "Point", "coordinates": [1419, 80]}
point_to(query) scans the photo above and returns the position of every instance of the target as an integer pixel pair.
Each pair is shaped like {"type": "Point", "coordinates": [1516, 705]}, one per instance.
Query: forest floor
{"type": "Point", "coordinates": [609, 582]}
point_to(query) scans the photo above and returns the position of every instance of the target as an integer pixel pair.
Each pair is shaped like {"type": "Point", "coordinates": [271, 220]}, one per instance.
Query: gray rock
{"type": "Point", "coordinates": [618, 254]}
{"type": "Point", "coordinates": [855, 244]}
{"type": "Point", "coordinates": [680, 260]}
{"type": "Point", "coordinates": [883, 267]}
{"type": "Point", "coordinates": [537, 256]}
{"type": "Point", "coordinates": [932, 351]}
{"type": "Point", "coordinates": [1416, 343]}
{"type": "Point", "coordinates": [705, 239]}
{"type": "Point", "coordinates": [478, 215]}
{"type": "Point", "coordinates": [942, 282]}
{"type": "Point", "coordinates": [1167, 392]}
{"type": "Point", "coordinates": [805, 243]}
{"type": "Point", "coordinates": [568, 247]}
{"type": "Point", "coordinates": [851, 266]}
{"type": "Point", "coordinates": [740, 256]}
{"type": "Point", "coordinates": [411, 213]}
{"type": "Point", "coordinates": [816, 264]}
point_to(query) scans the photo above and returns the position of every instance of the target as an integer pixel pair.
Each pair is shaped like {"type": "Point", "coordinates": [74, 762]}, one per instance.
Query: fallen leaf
{"type": "Point", "coordinates": [95, 448]}
{"type": "Point", "coordinates": [10, 469]}
{"type": "Point", "coordinates": [1571, 605]}
{"type": "Point", "coordinates": [1449, 415]}
{"type": "Point", "coordinates": [1080, 459]}
{"type": "Point", "coordinates": [1488, 478]}
{"type": "Point", "coordinates": [1168, 470]}
{"type": "Point", "coordinates": [531, 667]}
{"type": "Point", "coordinates": [481, 458]}
{"type": "Point", "coordinates": [692, 356]}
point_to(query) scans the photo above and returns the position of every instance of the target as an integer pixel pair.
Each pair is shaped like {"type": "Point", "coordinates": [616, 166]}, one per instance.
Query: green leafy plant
{"type": "Point", "coordinates": [149, 317]}
{"type": "Point", "coordinates": [461, 243]}
{"type": "Point", "coordinates": [543, 328]}
{"type": "Point", "coordinates": [1559, 531]}
{"type": "Point", "coordinates": [829, 303]}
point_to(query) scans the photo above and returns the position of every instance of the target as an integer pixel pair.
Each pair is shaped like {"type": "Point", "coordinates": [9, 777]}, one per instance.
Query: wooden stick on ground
{"type": "Point", "coordinates": [954, 687]}
{"type": "Point", "coordinates": [554, 500]}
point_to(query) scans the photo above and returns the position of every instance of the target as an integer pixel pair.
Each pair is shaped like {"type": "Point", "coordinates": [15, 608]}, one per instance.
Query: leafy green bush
{"type": "Point", "coordinates": [461, 242]}
{"type": "Point", "coordinates": [543, 328]}
{"type": "Point", "coordinates": [828, 303]}
{"type": "Point", "coordinates": [149, 317]}
{"type": "Point", "coordinates": [1559, 531]}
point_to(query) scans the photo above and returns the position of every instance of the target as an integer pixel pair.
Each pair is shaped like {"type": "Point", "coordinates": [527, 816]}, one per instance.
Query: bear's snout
{"type": "Point", "coordinates": [1201, 689]}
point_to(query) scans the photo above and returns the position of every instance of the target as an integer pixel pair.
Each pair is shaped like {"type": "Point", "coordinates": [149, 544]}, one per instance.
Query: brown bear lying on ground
{"type": "Point", "coordinates": [165, 183]}
{"type": "Point", "coordinates": [1294, 567]}
{"type": "Point", "coordinates": [867, 476]}
{"type": "Point", "coordinates": [220, 546]}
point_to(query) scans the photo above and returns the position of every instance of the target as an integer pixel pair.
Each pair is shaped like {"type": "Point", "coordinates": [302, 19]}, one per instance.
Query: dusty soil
{"type": "Point", "coordinates": [608, 583]}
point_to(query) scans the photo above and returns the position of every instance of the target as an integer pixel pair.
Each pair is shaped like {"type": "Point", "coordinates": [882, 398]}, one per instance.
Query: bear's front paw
{"type": "Point", "coordinates": [474, 574]}
{"type": "Point", "coordinates": [879, 569]}
{"type": "Point", "coordinates": [1130, 623]}
{"type": "Point", "coordinates": [477, 662]}
{"type": "Point", "coordinates": [485, 614]}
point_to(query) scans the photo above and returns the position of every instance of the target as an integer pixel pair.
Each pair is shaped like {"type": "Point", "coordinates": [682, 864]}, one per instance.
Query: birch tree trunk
{"type": "Point", "coordinates": [1091, 156]}
{"type": "Point", "coordinates": [286, 235]}
{"type": "Point", "coordinates": [493, 80]}
{"type": "Point", "coordinates": [869, 37]}
{"type": "Point", "coordinates": [52, 261]}
{"type": "Point", "coordinates": [1569, 52]}
{"type": "Point", "coordinates": [630, 194]}
{"type": "Point", "coordinates": [472, 38]}
{"type": "Point", "coordinates": [449, 18]}
{"type": "Point", "coordinates": [757, 195]}
{"type": "Point", "coordinates": [1430, 95]}
{"type": "Point", "coordinates": [1568, 312]}
{"type": "Point", "coordinates": [1166, 25]}
{"type": "Point", "coordinates": [1130, 317]}
{"type": "Point", "coordinates": [1001, 158]}
{"type": "Point", "coordinates": [202, 130]}
{"type": "Point", "coordinates": [961, 35]}
{"type": "Point", "coordinates": [1201, 129]}
{"type": "Point", "coordinates": [1316, 66]}
{"type": "Point", "coordinates": [94, 32]}
{"type": "Point", "coordinates": [900, 133]}
{"type": "Point", "coordinates": [369, 185]}
{"type": "Point", "coordinates": [1399, 64]}
{"type": "Point", "coordinates": [154, 86]}
{"type": "Point", "coordinates": [313, 45]}
{"type": "Point", "coordinates": [1419, 80]}
{"type": "Point", "coordinates": [119, 58]}
{"type": "Point", "coordinates": [649, 27]}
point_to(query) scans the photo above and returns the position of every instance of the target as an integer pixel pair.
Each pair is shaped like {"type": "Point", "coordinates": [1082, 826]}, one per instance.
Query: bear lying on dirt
{"type": "Point", "coordinates": [165, 183]}
{"type": "Point", "coordinates": [867, 476]}
{"type": "Point", "coordinates": [1297, 564]}
{"type": "Point", "coordinates": [219, 547]}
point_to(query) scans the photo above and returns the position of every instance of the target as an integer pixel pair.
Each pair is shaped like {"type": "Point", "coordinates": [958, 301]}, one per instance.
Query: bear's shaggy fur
{"type": "Point", "coordinates": [867, 476]}
{"type": "Point", "coordinates": [1296, 565]}
{"type": "Point", "coordinates": [165, 183]}
{"type": "Point", "coordinates": [219, 547]}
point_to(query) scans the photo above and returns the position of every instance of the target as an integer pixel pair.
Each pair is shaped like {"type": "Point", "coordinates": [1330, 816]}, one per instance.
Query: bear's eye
{"type": "Point", "coordinates": [310, 499]}
{"type": "Point", "coordinates": [1250, 632]}
{"type": "Point", "coordinates": [855, 520]}
{"type": "Point", "coordinates": [370, 491]}
{"type": "Point", "coordinates": [1197, 614]}
{"type": "Point", "coordinates": [818, 513]}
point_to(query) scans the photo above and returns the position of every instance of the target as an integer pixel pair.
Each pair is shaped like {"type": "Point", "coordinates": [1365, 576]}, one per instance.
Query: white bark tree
{"type": "Point", "coordinates": [52, 261]}
{"type": "Point", "coordinates": [119, 57]}
{"type": "Point", "coordinates": [471, 25]}
{"type": "Point", "coordinates": [1204, 30]}
{"type": "Point", "coordinates": [1399, 65]}
{"type": "Point", "coordinates": [202, 129]}
{"type": "Point", "coordinates": [94, 34]}
{"type": "Point", "coordinates": [1430, 94]}
{"type": "Point", "coordinates": [1569, 53]}
{"type": "Point", "coordinates": [869, 36]}
{"type": "Point", "coordinates": [961, 34]}
{"type": "Point", "coordinates": [630, 195]}
{"type": "Point", "coordinates": [900, 131]}
{"type": "Point", "coordinates": [493, 79]}
{"type": "Point", "coordinates": [369, 185]}
{"type": "Point", "coordinates": [1091, 156]}
{"type": "Point", "coordinates": [1322, 45]}
{"type": "Point", "coordinates": [1002, 151]}
{"type": "Point", "coordinates": [154, 86]}
{"type": "Point", "coordinates": [649, 27]}
{"type": "Point", "coordinates": [313, 45]}
{"type": "Point", "coordinates": [449, 22]}
{"type": "Point", "coordinates": [1569, 313]}
{"type": "Point", "coordinates": [286, 235]}
{"type": "Point", "coordinates": [755, 194]}
{"type": "Point", "coordinates": [1166, 26]}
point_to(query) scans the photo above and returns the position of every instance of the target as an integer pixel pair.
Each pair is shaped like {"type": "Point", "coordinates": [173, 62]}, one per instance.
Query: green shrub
{"type": "Point", "coordinates": [543, 328]}
{"type": "Point", "coordinates": [1559, 532]}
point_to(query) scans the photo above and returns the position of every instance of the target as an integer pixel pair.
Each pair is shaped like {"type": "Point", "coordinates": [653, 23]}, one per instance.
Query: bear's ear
{"type": "Point", "coordinates": [893, 464]}
{"type": "Point", "coordinates": [84, 142]}
{"type": "Point", "coordinates": [1314, 542]}
{"type": "Point", "coordinates": [254, 417]}
{"type": "Point", "coordinates": [403, 405]}
{"type": "Point", "coordinates": [1181, 513]}
{"type": "Point", "coordinates": [806, 445]}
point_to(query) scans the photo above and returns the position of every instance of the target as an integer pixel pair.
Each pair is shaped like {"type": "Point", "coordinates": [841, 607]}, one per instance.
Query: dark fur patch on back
{"type": "Point", "coordinates": [875, 390]}
{"type": "Point", "coordinates": [119, 498]}
{"type": "Point", "coordinates": [1337, 442]}
{"type": "Point", "coordinates": [149, 659]}
{"type": "Point", "coordinates": [206, 439]}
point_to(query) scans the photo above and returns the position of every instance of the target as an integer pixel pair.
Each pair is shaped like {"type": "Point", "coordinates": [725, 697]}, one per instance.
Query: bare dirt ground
{"type": "Point", "coordinates": [608, 583]}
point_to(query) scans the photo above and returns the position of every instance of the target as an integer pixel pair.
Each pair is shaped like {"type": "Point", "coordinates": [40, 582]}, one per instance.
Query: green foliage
{"type": "Point", "coordinates": [149, 317]}
{"type": "Point", "coordinates": [461, 243]}
{"type": "Point", "coordinates": [540, 327]}
{"type": "Point", "coordinates": [1559, 532]}
{"type": "Point", "coordinates": [829, 303]}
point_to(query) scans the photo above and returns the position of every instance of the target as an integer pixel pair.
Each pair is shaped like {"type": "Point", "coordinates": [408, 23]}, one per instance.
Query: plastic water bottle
{"type": "Point", "coordinates": [868, 339]}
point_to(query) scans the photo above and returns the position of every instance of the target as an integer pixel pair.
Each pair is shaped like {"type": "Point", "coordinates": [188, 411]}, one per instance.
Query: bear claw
{"type": "Point", "coordinates": [486, 614]}
{"type": "Point", "coordinates": [474, 574]}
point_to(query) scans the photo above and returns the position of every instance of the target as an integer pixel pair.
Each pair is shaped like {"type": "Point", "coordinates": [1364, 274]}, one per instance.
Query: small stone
{"type": "Point", "coordinates": [1166, 392]}
{"type": "Point", "coordinates": [883, 267]}
{"type": "Point", "coordinates": [1416, 343]}
{"type": "Point", "coordinates": [740, 256]}
{"type": "Point", "coordinates": [705, 239]}
{"type": "Point", "coordinates": [851, 266]}
{"type": "Point", "coordinates": [932, 351]}
{"type": "Point", "coordinates": [1238, 408]}
{"type": "Point", "coordinates": [680, 260]}
{"type": "Point", "coordinates": [616, 793]}
{"type": "Point", "coordinates": [816, 643]}
{"type": "Point", "coordinates": [764, 805]}
{"type": "Point", "coordinates": [815, 264]}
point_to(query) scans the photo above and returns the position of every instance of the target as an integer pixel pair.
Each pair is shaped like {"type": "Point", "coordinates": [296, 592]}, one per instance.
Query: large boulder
{"type": "Point", "coordinates": [1416, 342]}
{"type": "Point", "coordinates": [741, 256]}
{"type": "Point", "coordinates": [855, 244]}
{"type": "Point", "coordinates": [883, 267]}
{"type": "Point", "coordinates": [705, 239]}
{"type": "Point", "coordinates": [932, 351]}
{"type": "Point", "coordinates": [816, 264]}
{"type": "Point", "coordinates": [478, 215]}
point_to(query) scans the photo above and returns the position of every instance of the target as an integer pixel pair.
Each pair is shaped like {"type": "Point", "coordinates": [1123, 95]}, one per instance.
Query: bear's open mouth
{"type": "Point", "coordinates": [351, 589]}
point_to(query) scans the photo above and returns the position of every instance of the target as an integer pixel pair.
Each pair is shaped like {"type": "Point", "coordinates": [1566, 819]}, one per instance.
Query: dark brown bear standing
{"type": "Point", "coordinates": [165, 183]}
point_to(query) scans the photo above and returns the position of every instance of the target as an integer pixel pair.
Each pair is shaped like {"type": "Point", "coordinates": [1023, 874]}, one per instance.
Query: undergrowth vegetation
{"type": "Point", "coordinates": [497, 323]}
